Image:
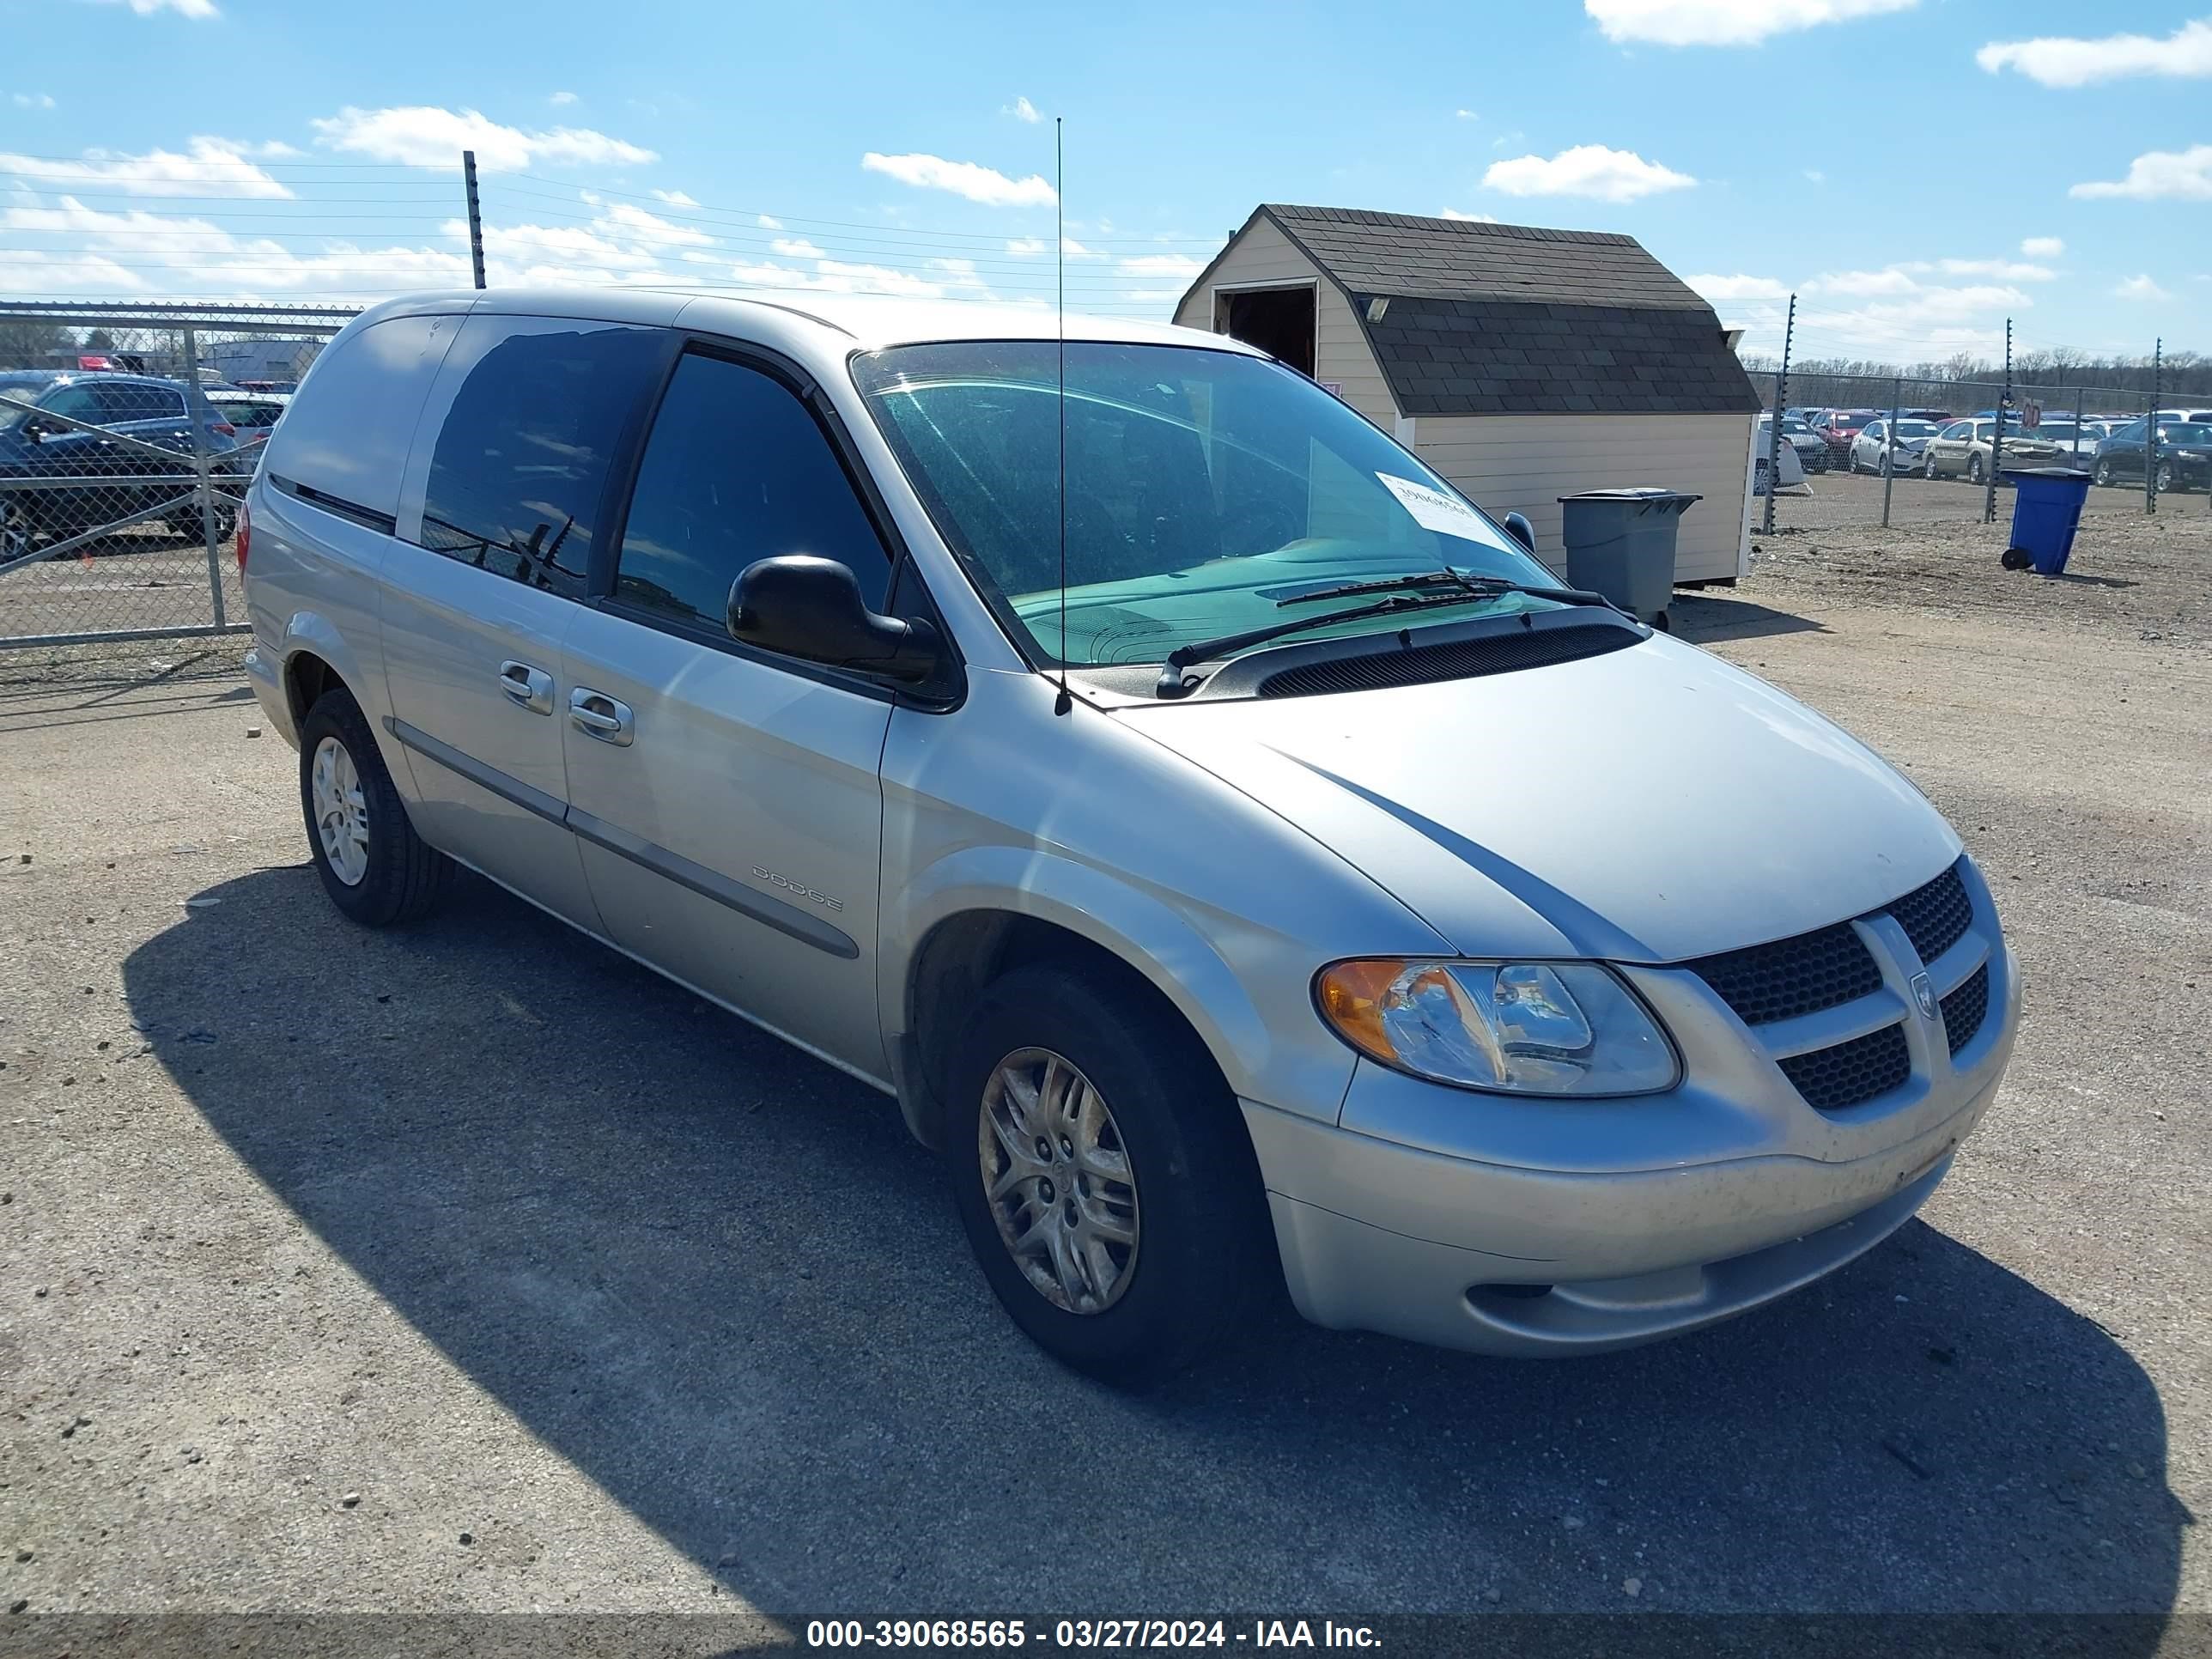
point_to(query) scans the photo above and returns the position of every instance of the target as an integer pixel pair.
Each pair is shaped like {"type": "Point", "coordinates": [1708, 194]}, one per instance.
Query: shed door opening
{"type": "Point", "coordinates": [1278, 320]}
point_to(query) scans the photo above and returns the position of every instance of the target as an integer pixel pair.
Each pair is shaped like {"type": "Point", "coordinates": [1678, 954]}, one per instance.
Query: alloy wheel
{"type": "Point", "coordinates": [341, 812]}
{"type": "Point", "coordinates": [16, 534]}
{"type": "Point", "coordinates": [1059, 1182]}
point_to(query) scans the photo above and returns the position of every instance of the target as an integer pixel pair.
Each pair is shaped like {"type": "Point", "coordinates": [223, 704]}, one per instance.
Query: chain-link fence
{"type": "Point", "coordinates": [1879, 449]}
{"type": "Point", "coordinates": [127, 437]}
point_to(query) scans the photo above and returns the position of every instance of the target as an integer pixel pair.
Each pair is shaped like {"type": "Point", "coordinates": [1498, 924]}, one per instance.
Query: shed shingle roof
{"type": "Point", "coordinates": [1489, 318]}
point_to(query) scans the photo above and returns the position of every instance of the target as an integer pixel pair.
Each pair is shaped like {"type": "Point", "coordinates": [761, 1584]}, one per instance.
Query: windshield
{"type": "Point", "coordinates": [1204, 489]}
{"type": "Point", "coordinates": [24, 386]}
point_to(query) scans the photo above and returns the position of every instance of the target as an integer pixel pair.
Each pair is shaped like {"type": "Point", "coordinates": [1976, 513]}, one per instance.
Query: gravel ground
{"type": "Point", "coordinates": [474, 1270]}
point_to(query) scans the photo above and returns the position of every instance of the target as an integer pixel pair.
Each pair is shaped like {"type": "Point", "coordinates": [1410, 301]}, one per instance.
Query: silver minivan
{"type": "Point", "coordinates": [1243, 863]}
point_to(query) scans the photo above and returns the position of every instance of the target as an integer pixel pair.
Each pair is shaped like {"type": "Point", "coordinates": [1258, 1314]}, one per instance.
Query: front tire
{"type": "Point", "coordinates": [1103, 1175]}
{"type": "Point", "coordinates": [2167, 483]}
{"type": "Point", "coordinates": [2103, 474]}
{"type": "Point", "coordinates": [1929, 466]}
{"type": "Point", "coordinates": [1973, 469]}
{"type": "Point", "coordinates": [374, 865]}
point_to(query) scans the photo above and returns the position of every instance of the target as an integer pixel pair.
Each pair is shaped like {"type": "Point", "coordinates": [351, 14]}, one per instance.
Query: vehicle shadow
{"type": "Point", "coordinates": [718, 1278]}
{"type": "Point", "coordinates": [1703, 614]}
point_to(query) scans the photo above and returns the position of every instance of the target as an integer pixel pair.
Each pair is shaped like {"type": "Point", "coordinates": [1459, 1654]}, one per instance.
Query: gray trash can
{"type": "Point", "coordinates": [1620, 543]}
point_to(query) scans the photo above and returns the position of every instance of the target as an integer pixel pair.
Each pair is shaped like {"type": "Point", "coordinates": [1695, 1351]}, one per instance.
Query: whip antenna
{"type": "Point", "coordinates": [1064, 702]}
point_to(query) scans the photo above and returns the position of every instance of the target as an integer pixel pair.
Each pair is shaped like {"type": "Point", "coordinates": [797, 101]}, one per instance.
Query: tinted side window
{"type": "Point", "coordinates": [130, 402]}
{"type": "Point", "coordinates": [74, 402]}
{"type": "Point", "coordinates": [523, 456]}
{"type": "Point", "coordinates": [348, 431]}
{"type": "Point", "coordinates": [737, 470]}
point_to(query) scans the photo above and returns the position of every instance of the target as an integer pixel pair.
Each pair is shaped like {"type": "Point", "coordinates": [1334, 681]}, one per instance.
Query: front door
{"type": "Point", "coordinates": [727, 803]}
{"type": "Point", "coordinates": [484, 585]}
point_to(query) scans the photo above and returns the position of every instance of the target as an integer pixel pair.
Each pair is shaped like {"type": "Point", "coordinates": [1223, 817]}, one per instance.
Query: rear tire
{"type": "Point", "coordinates": [373, 864]}
{"type": "Point", "coordinates": [1929, 466]}
{"type": "Point", "coordinates": [1973, 469]}
{"type": "Point", "coordinates": [2103, 474]}
{"type": "Point", "coordinates": [1200, 1256]}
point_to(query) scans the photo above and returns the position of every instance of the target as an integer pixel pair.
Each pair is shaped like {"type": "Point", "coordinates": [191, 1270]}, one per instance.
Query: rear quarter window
{"type": "Point", "coordinates": [347, 433]}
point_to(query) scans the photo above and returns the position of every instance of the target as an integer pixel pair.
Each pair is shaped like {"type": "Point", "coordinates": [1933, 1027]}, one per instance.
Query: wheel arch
{"type": "Point", "coordinates": [980, 921]}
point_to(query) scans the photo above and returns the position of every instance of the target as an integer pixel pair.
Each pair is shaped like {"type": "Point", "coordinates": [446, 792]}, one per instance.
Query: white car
{"type": "Point", "coordinates": [1876, 450]}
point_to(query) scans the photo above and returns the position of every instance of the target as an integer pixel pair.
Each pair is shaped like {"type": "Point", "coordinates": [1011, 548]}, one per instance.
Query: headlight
{"type": "Point", "coordinates": [1522, 1027]}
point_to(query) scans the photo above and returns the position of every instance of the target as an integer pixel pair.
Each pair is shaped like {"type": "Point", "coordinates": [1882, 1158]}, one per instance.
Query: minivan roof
{"type": "Point", "coordinates": [868, 320]}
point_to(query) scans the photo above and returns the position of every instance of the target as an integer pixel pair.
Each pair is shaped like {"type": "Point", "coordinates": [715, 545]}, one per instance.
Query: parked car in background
{"type": "Point", "coordinates": [2187, 416]}
{"type": "Point", "coordinates": [35, 445]}
{"type": "Point", "coordinates": [728, 633]}
{"type": "Point", "coordinates": [1811, 449]}
{"type": "Point", "coordinates": [2078, 442]}
{"type": "Point", "coordinates": [253, 413]}
{"type": "Point", "coordinates": [2183, 447]}
{"type": "Point", "coordinates": [1963, 449]}
{"type": "Point", "coordinates": [1878, 449]}
{"type": "Point", "coordinates": [1838, 427]}
{"type": "Point", "coordinates": [1938, 416]}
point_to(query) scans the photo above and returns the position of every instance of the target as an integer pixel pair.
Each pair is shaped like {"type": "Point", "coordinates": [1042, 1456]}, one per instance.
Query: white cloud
{"type": "Point", "coordinates": [2042, 247]}
{"type": "Point", "coordinates": [1469, 218]}
{"type": "Point", "coordinates": [1725, 289]}
{"type": "Point", "coordinates": [1724, 22]}
{"type": "Point", "coordinates": [1180, 266]}
{"type": "Point", "coordinates": [651, 228]}
{"type": "Point", "coordinates": [1815, 176]}
{"type": "Point", "coordinates": [2057, 61]}
{"type": "Point", "coordinates": [674, 198]}
{"type": "Point", "coordinates": [32, 99]}
{"type": "Point", "coordinates": [2140, 287]}
{"type": "Point", "coordinates": [1891, 279]}
{"type": "Point", "coordinates": [197, 10]}
{"type": "Point", "coordinates": [1465, 115]}
{"type": "Point", "coordinates": [795, 247]}
{"type": "Point", "coordinates": [1036, 247]}
{"type": "Point", "coordinates": [1592, 170]}
{"type": "Point", "coordinates": [2006, 271]}
{"type": "Point", "coordinates": [426, 135]}
{"type": "Point", "coordinates": [769, 221]}
{"type": "Point", "coordinates": [209, 167]}
{"type": "Point", "coordinates": [2178, 175]}
{"type": "Point", "coordinates": [560, 98]}
{"type": "Point", "coordinates": [1022, 110]}
{"type": "Point", "coordinates": [979, 183]}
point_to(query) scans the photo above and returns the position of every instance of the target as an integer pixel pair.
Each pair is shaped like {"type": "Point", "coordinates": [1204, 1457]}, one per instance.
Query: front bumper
{"type": "Point", "coordinates": [1548, 1228]}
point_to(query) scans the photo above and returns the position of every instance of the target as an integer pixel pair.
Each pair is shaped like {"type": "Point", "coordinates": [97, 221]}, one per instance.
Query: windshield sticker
{"type": "Point", "coordinates": [1434, 510]}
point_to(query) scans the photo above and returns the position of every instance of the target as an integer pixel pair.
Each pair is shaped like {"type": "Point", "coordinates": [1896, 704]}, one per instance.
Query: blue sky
{"type": "Point", "coordinates": [302, 149]}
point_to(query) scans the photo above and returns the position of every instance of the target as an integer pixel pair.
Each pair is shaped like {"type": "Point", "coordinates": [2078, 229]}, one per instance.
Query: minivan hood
{"type": "Point", "coordinates": [1649, 804]}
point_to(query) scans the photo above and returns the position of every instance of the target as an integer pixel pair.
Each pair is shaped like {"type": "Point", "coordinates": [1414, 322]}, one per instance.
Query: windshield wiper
{"type": "Point", "coordinates": [1472, 586]}
{"type": "Point", "coordinates": [1172, 684]}
{"type": "Point", "coordinates": [1444, 578]}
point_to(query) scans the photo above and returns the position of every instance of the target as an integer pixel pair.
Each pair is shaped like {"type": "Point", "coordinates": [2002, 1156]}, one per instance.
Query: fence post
{"type": "Point", "coordinates": [1997, 443]}
{"type": "Point", "coordinates": [2077, 428]}
{"type": "Point", "coordinates": [196, 404]}
{"type": "Point", "coordinates": [475, 215]}
{"type": "Point", "coordinates": [1774, 428]}
{"type": "Point", "coordinates": [2150, 432]}
{"type": "Point", "coordinates": [1889, 448]}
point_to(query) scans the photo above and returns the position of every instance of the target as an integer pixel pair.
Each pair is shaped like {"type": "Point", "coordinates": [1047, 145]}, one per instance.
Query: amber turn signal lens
{"type": "Point", "coordinates": [1352, 1000]}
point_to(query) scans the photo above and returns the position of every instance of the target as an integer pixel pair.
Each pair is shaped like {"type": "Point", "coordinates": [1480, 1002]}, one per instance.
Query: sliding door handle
{"type": "Point", "coordinates": [601, 716]}
{"type": "Point", "coordinates": [532, 688]}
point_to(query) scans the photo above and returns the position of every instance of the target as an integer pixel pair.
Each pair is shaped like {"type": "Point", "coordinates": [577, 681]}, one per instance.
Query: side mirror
{"type": "Point", "coordinates": [1518, 528]}
{"type": "Point", "coordinates": [812, 608]}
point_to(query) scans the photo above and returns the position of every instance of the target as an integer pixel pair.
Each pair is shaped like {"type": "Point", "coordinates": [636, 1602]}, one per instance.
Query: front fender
{"type": "Point", "coordinates": [1293, 1061]}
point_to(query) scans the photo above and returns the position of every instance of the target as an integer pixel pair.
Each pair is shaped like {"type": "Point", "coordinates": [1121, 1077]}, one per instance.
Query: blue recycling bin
{"type": "Point", "coordinates": [2046, 511]}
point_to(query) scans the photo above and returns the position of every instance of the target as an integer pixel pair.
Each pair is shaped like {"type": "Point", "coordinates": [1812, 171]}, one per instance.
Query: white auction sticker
{"type": "Point", "coordinates": [1434, 510]}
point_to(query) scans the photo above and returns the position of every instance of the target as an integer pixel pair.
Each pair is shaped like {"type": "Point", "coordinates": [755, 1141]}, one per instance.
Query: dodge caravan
{"type": "Point", "coordinates": [1241, 860]}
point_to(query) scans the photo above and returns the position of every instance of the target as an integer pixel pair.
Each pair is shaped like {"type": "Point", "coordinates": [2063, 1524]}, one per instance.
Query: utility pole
{"type": "Point", "coordinates": [1774, 426]}
{"type": "Point", "coordinates": [476, 213]}
{"type": "Point", "coordinates": [2150, 432]}
{"type": "Point", "coordinates": [1997, 443]}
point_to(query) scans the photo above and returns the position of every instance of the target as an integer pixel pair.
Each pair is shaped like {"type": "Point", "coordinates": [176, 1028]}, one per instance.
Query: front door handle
{"type": "Point", "coordinates": [532, 688]}
{"type": "Point", "coordinates": [601, 716]}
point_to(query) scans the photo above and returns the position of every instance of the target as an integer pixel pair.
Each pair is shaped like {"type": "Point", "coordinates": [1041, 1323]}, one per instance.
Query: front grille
{"type": "Point", "coordinates": [1851, 1072]}
{"type": "Point", "coordinates": [1965, 1008]}
{"type": "Point", "coordinates": [1792, 977]}
{"type": "Point", "coordinates": [1933, 916]}
{"type": "Point", "coordinates": [1458, 659]}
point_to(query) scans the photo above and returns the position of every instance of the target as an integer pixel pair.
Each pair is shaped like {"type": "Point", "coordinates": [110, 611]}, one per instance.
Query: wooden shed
{"type": "Point", "coordinates": [1523, 364]}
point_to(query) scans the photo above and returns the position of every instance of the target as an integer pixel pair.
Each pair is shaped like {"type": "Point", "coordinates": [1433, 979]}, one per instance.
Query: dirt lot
{"type": "Point", "coordinates": [473, 1269]}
